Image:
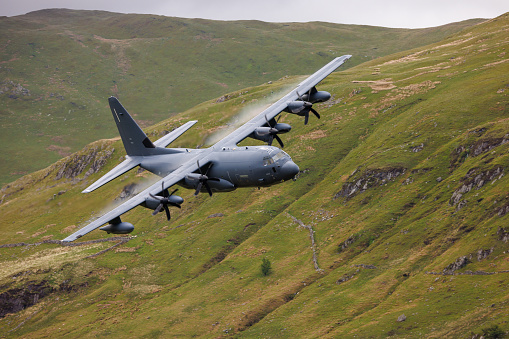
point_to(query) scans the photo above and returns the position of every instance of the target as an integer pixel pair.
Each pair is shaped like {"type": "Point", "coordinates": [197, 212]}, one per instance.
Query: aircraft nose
{"type": "Point", "coordinates": [289, 170]}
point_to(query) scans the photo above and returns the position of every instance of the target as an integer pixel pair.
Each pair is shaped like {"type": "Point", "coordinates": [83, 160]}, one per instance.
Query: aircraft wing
{"type": "Point", "coordinates": [245, 130]}
{"type": "Point", "coordinates": [168, 181]}
{"type": "Point", "coordinates": [124, 166]}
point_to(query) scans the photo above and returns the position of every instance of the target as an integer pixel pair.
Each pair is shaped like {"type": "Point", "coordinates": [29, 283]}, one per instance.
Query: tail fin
{"type": "Point", "coordinates": [135, 140]}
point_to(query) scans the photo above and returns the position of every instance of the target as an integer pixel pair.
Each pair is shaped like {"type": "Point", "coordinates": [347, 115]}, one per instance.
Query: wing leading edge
{"type": "Point", "coordinates": [245, 130]}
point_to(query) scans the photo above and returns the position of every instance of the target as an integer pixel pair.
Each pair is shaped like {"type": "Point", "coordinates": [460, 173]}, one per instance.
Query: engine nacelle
{"type": "Point", "coordinates": [318, 96]}
{"type": "Point", "coordinates": [152, 203]}
{"type": "Point", "coordinates": [118, 228]}
{"type": "Point", "coordinates": [295, 107]}
{"type": "Point", "coordinates": [283, 128]}
{"type": "Point", "coordinates": [263, 133]}
{"type": "Point", "coordinates": [192, 179]}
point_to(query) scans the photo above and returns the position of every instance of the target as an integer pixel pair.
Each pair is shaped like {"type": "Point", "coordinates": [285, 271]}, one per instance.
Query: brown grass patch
{"type": "Point", "coordinates": [61, 150]}
{"type": "Point", "coordinates": [313, 135]}
{"type": "Point", "coordinates": [409, 58]}
{"type": "Point", "coordinates": [378, 85]}
{"type": "Point", "coordinates": [68, 229]}
{"type": "Point", "coordinates": [126, 249]}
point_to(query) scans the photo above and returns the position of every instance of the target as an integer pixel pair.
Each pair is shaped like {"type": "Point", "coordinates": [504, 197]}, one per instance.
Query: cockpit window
{"type": "Point", "coordinates": [278, 156]}
{"type": "Point", "coordinates": [272, 159]}
{"type": "Point", "coordinates": [267, 161]}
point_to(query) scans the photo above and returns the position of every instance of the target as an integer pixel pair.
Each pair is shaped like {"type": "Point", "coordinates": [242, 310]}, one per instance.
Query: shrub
{"type": "Point", "coordinates": [493, 332]}
{"type": "Point", "coordinates": [266, 267]}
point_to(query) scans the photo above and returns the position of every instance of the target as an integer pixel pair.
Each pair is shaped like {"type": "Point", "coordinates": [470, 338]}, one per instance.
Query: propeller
{"type": "Point", "coordinates": [273, 134]}
{"type": "Point", "coordinates": [164, 202]}
{"type": "Point", "coordinates": [308, 106]}
{"type": "Point", "coordinates": [202, 180]}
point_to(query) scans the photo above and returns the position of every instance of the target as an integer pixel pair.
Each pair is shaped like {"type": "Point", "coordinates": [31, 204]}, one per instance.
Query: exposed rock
{"type": "Point", "coordinates": [344, 245]}
{"type": "Point", "coordinates": [216, 215]}
{"type": "Point", "coordinates": [370, 178]}
{"type": "Point", "coordinates": [401, 318]}
{"type": "Point", "coordinates": [99, 162]}
{"type": "Point", "coordinates": [479, 147]}
{"type": "Point", "coordinates": [13, 89]}
{"type": "Point", "coordinates": [408, 181]}
{"type": "Point", "coordinates": [483, 254]}
{"type": "Point", "coordinates": [475, 178]}
{"type": "Point", "coordinates": [17, 299]}
{"type": "Point", "coordinates": [417, 148]}
{"type": "Point", "coordinates": [458, 264]}
{"type": "Point", "coordinates": [345, 278]}
{"type": "Point", "coordinates": [503, 234]}
{"type": "Point", "coordinates": [485, 145]}
{"type": "Point", "coordinates": [76, 163]}
{"type": "Point", "coordinates": [371, 267]}
{"type": "Point", "coordinates": [503, 211]}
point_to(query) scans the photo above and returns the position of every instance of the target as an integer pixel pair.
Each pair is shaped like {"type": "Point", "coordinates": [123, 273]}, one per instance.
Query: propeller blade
{"type": "Point", "coordinates": [315, 113]}
{"type": "Point", "coordinates": [198, 188]}
{"type": "Point", "coordinates": [158, 209]}
{"type": "Point", "coordinates": [208, 188]}
{"type": "Point", "coordinates": [271, 138]}
{"type": "Point", "coordinates": [167, 210]}
{"type": "Point", "coordinates": [199, 168]}
{"type": "Point", "coordinates": [278, 140]}
{"type": "Point", "coordinates": [306, 118]}
{"type": "Point", "coordinates": [175, 190]}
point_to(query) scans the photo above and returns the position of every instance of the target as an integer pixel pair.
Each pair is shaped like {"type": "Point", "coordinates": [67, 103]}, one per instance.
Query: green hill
{"type": "Point", "coordinates": [58, 67]}
{"type": "Point", "coordinates": [396, 227]}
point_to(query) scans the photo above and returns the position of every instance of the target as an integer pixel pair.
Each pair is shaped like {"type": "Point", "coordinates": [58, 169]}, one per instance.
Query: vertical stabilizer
{"type": "Point", "coordinates": [135, 140]}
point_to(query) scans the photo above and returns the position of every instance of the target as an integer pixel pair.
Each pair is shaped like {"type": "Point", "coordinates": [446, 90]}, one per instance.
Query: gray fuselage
{"type": "Point", "coordinates": [247, 166]}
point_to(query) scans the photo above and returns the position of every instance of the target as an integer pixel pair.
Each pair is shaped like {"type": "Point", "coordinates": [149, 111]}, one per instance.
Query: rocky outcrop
{"type": "Point", "coordinates": [475, 178]}
{"type": "Point", "coordinates": [503, 235]}
{"type": "Point", "coordinates": [370, 178]}
{"type": "Point", "coordinates": [13, 90]}
{"type": "Point", "coordinates": [475, 149]}
{"type": "Point", "coordinates": [458, 264]}
{"type": "Point", "coordinates": [17, 299]}
{"type": "Point", "coordinates": [75, 164]}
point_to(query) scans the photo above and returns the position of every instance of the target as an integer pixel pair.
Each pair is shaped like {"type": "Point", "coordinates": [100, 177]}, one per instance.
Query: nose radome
{"type": "Point", "coordinates": [290, 169]}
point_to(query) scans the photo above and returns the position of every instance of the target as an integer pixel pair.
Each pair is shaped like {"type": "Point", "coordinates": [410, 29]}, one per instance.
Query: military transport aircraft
{"type": "Point", "coordinates": [220, 168]}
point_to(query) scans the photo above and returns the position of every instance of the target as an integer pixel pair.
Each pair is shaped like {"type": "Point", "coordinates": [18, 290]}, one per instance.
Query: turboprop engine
{"type": "Point", "coordinates": [268, 134]}
{"type": "Point", "coordinates": [116, 226]}
{"type": "Point", "coordinates": [158, 203]}
{"type": "Point", "coordinates": [304, 105]}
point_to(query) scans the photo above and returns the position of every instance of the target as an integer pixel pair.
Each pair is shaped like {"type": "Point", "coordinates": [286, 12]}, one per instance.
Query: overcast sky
{"type": "Point", "coordinates": [387, 13]}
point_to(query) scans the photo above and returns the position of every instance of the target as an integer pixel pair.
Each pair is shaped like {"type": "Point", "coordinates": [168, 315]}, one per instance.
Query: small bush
{"type": "Point", "coordinates": [266, 267]}
{"type": "Point", "coordinates": [493, 332]}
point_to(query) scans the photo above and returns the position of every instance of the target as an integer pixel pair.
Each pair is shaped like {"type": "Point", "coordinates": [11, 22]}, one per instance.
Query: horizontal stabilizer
{"type": "Point", "coordinates": [126, 165]}
{"type": "Point", "coordinates": [170, 137]}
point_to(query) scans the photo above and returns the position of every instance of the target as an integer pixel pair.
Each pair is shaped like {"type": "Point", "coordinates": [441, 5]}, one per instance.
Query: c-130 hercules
{"type": "Point", "coordinates": [222, 167]}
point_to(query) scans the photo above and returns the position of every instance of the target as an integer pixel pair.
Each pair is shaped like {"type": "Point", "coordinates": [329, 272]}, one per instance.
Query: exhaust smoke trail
{"type": "Point", "coordinates": [248, 112]}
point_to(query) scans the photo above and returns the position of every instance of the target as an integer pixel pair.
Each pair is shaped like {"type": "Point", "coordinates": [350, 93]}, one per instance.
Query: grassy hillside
{"type": "Point", "coordinates": [396, 226]}
{"type": "Point", "coordinates": [58, 67]}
